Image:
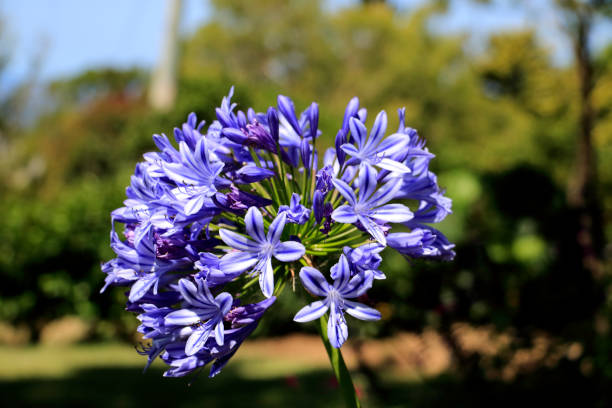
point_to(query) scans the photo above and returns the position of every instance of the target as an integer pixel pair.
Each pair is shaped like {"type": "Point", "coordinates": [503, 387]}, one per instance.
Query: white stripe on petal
{"type": "Point", "coordinates": [358, 131]}
{"type": "Point", "coordinates": [373, 229]}
{"type": "Point", "coordinates": [311, 312]}
{"type": "Point", "coordinates": [342, 272]}
{"type": "Point", "coordinates": [238, 241]}
{"type": "Point", "coordinates": [344, 214]}
{"type": "Point", "coordinates": [361, 311]}
{"type": "Point", "coordinates": [393, 165]}
{"type": "Point", "coordinates": [358, 285]}
{"type": "Point", "coordinates": [266, 279]}
{"type": "Point", "coordinates": [141, 287]}
{"type": "Point", "coordinates": [314, 281]}
{"type": "Point", "coordinates": [289, 251]}
{"type": "Point", "coordinates": [276, 228]}
{"type": "Point", "coordinates": [345, 190]}
{"type": "Point", "coordinates": [254, 224]}
{"type": "Point", "coordinates": [197, 340]}
{"type": "Point", "coordinates": [350, 149]}
{"type": "Point", "coordinates": [366, 181]}
{"type": "Point", "coordinates": [219, 333]}
{"type": "Point", "coordinates": [235, 262]}
{"type": "Point", "coordinates": [378, 129]}
{"type": "Point", "coordinates": [386, 193]}
{"type": "Point", "coordinates": [392, 213]}
{"type": "Point", "coordinates": [182, 317]}
{"type": "Point", "coordinates": [337, 330]}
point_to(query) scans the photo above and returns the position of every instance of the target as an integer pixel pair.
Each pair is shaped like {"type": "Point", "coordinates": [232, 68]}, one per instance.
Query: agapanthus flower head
{"type": "Point", "coordinates": [219, 220]}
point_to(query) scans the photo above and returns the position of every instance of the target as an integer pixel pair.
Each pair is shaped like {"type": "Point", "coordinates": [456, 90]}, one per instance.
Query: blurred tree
{"type": "Point", "coordinates": [583, 192]}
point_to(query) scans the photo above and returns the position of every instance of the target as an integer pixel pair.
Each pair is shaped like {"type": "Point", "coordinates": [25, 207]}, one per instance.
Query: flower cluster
{"type": "Point", "coordinates": [218, 221]}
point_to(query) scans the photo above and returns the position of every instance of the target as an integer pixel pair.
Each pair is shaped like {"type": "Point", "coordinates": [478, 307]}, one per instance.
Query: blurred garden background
{"type": "Point", "coordinates": [514, 98]}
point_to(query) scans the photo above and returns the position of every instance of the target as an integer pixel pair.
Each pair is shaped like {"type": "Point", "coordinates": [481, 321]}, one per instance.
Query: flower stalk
{"type": "Point", "coordinates": [345, 382]}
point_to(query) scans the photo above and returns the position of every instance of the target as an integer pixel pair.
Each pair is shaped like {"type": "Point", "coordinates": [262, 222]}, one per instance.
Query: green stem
{"type": "Point", "coordinates": [342, 374]}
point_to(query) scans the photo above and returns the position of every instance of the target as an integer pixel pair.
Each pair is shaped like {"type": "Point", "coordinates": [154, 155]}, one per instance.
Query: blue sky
{"type": "Point", "coordinates": [72, 35]}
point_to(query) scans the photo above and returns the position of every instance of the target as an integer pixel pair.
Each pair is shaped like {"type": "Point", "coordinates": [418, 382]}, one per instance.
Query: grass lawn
{"type": "Point", "coordinates": [110, 375]}
{"type": "Point", "coordinates": [273, 374]}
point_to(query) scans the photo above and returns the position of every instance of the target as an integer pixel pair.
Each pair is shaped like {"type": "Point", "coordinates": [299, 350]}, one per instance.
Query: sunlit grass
{"type": "Point", "coordinates": [63, 361]}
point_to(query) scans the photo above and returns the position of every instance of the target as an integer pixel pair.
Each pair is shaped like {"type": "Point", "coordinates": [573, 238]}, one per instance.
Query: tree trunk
{"type": "Point", "coordinates": [582, 192]}
{"type": "Point", "coordinates": [163, 83]}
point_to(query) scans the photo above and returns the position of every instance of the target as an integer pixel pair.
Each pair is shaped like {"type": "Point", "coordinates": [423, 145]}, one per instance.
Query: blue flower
{"type": "Point", "coordinates": [296, 212]}
{"type": "Point", "coordinates": [373, 149]}
{"type": "Point", "coordinates": [336, 299]}
{"type": "Point", "coordinates": [196, 176]}
{"type": "Point", "coordinates": [139, 266]}
{"type": "Point", "coordinates": [323, 179]}
{"type": "Point", "coordinates": [365, 257]}
{"type": "Point", "coordinates": [371, 208]}
{"type": "Point", "coordinates": [258, 250]}
{"type": "Point", "coordinates": [422, 242]}
{"type": "Point", "coordinates": [193, 227]}
{"type": "Point", "coordinates": [204, 313]}
{"type": "Point", "coordinates": [244, 320]}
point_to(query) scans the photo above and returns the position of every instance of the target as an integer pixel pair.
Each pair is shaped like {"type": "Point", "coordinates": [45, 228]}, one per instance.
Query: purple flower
{"type": "Point", "coordinates": [371, 207]}
{"type": "Point", "coordinates": [365, 257]}
{"type": "Point", "coordinates": [193, 224]}
{"type": "Point", "coordinates": [239, 201]}
{"type": "Point", "coordinates": [152, 327]}
{"type": "Point", "coordinates": [204, 313]}
{"type": "Point", "coordinates": [373, 149]}
{"type": "Point", "coordinates": [323, 180]}
{"type": "Point", "coordinates": [256, 252]}
{"type": "Point", "coordinates": [139, 266]}
{"type": "Point", "coordinates": [196, 176]}
{"type": "Point", "coordinates": [336, 299]}
{"type": "Point", "coordinates": [252, 174]}
{"type": "Point", "coordinates": [296, 212]}
{"type": "Point", "coordinates": [422, 242]}
{"type": "Point", "coordinates": [244, 320]}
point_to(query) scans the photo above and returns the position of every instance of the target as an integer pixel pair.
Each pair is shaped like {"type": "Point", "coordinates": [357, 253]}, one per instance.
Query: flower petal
{"type": "Point", "coordinates": [350, 149]}
{"type": "Point", "coordinates": [289, 251]}
{"type": "Point", "coordinates": [386, 193]}
{"type": "Point", "coordinates": [345, 190]}
{"type": "Point", "coordinates": [275, 230]}
{"type": "Point", "coordinates": [194, 204]}
{"type": "Point", "coordinates": [358, 285]}
{"type": "Point", "coordinates": [373, 229]}
{"type": "Point", "coordinates": [337, 330]}
{"type": "Point", "coordinates": [311, 312]}
{"type": "Point", "coordinates": [366, 181]}
{"type": "Point", "coordinates": [219, 333]}
{"type": "Point", "coordinates": [224, 301]}
{"type": "Point", "coordinates": [266, 279]}
{"type": "Point", "coordinates": [285, 105]}
{"type": "Point", "coordinates": [392, 213]}
{"type": "Point", "coordinates": [393, 144]}
{"type": "Point", "coordinates": [393, 165]}
{"type": "Point", "coordinates": [142, 286]}
{"type": "Point", "coordinates": [197, 340]}
{"type": "Point", "coordinates": [182, 317]}
{"type": "Point", "coordinates": [358, 131]}
{"type": "Point", "coordinates": [238, 241]}
{"type": "Point", "coordinates": [341, 273]}
{"type": "Point", "coordinates": [235, 262]}
{"type": "Point", "coordinates": [189, 292]}
{"type": "Point", "coordinates": [314, 281]}
{"type": "Point", "coordinates": [344, 214]}
{"type": "Point", "coordinates": [361, 311]}
{"type": "Point", "coordinates": [254, 224]}
{"type": "Point", "coordinates": [378, 129]}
